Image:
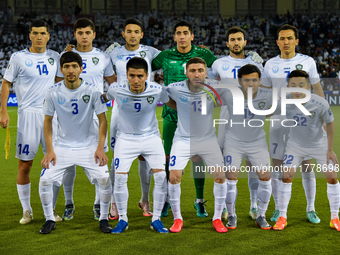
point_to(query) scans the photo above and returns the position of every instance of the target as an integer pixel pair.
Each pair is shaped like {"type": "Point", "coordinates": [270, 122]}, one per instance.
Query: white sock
{"type": "Point", "coordinates": [253, 184]}
{"type": "Point", "coordinates": [231, 196]}
{"type": "Point", "coordinates": [121, 195]}
{"type": "Point", "coordinates": [24, 192]}
{"type": "Point", "coordinates": [68, 184]}
{"type": "Point", "coordinates": [159, 192]}
{"type": "Point", "coordinates": [112, 176]}
{"type": "Point", "coordinates": [56, 189]}
{"type": "Point", "coordinates": [97, 198]}
{"type": "Point", "coordinates": [263, 193]}
{"type": "Point", "coordinates": [333, 194]}
{"type": "Point", "coordinates": [145, 179]}
{"type": "Point", "coordinates": [309, 184]}
{"type": "Point", "coordinates": [174, 191]}
{"type": "Point", "coordinates": [46, 193]}
{"type": "Point", "coordinates": [105, 195]}
{"type": "Point", "coordinates": [220, 191]}
{"type": "Point", "coordinates": [276, 178]}
{"type": "Point", "coordinates": [285, 191]}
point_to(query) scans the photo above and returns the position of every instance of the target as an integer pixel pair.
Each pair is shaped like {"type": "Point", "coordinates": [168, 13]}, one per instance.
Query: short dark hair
{"type": "Point", "coordinates": [248, 69]}
{"type": "Point", "coordinates": [82, 23]}
{"type": "Point", "coordinates": [183, 23]}
{"type": "Point", "coordinates": [288, 27]}
{"type": "Point", "coordinates": [69, 57]}
{"type": "Point", "coordinates": [234, 30]}
{"type": "Point", "coordinates": [137, 63]}
{"type": "Point", "coordinates": [298, 73]}
{"type": "Point", "coordinates": [39, 23]}
{"type": "Point", "coordinates": [196, 60]}
{"type": "Point", "coordinates": [133, 22]}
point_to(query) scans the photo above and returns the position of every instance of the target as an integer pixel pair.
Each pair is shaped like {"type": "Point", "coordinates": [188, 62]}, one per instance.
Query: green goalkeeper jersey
{"type": "Point", "coordinates": [173, 64]}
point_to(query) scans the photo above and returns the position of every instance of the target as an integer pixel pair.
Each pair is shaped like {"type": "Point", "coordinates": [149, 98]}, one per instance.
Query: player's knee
{"type": "Point", "coordinates": [287, 180]}
{"type": "Point", "coordinates": [174, 179]}
{"type": "Point", "coordinates": [332, 180]}
{"type": "Point", "coordinates": [159, 178]}
{"type": "Point", "coordinates": [103, 181]}
{"type": "Point", "coordinates": [264, 179]}
{"type": "Point", "coordinates": [24, 167]}
{"type": "Point", "coordinates": [219, 180]}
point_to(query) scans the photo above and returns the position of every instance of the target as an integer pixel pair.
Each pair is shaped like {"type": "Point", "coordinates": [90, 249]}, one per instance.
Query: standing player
{"type": "Point", "coordinates": [133, 33]}
{"type": "Point", "coordinates": [96, 67]}
{"type": "Point", "coordinates": [194, 137]}
{"type": "Point", "coordinates": [173, 62]}
{"type": "Point", "coordinates": [248, 140]}
{"type": "Point", "coordinates": [275, 74]}
{"type": "Point", "coordinates": [138, 134]}
{"type": "Point", "coordinates": [74, 101]}
{"type": "Point", "coordinates": [227, 69]}
{"type": "Point", "coordinates": [308, 139]}
{"type": "Point", "coordinates": [34, 70]}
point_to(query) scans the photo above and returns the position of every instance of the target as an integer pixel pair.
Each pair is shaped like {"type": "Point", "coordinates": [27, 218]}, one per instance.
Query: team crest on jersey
{"type": "Point", "coordinates": [184, 98]}
{"type": "Point", "coordinates": [86, 98]}
{"type": "Point", "coordinates": [51, 61]}
{"type": "Point", "coordinates": [312, 114]}
{"type": "Point", "coordinates": [275, 69]}
{"type": "Point", "coordinates": [28, 62]}
{"type": "Point", "coordinates": [150, 99]}
{"type": "Point", "coordinates": [142, 54]}
{"type": "Point", "coordinates": [61, 100]}
{"type": "Point", "coordinates": [225, 67]}
{"type": "Point", "coordinates": [120, 56]}
{"type": "Point", "coordinates": [299, 67]}
{"type": "Point", "coordinates": [124, 100]}
{"type": "Point", "coordinates": [95, 60]}
{"type": "Point", "coordinates": [261, 105]}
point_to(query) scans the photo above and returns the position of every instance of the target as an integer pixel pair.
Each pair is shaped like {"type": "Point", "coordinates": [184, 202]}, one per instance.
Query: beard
{"type": "Point", "coordinates": [239, 51]}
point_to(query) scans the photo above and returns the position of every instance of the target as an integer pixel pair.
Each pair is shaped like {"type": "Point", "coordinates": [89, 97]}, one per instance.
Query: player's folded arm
{"type": "Point", "coordinates": [171, 103]}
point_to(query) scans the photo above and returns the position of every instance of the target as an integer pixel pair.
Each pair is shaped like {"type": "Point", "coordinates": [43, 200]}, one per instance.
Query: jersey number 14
{"type": "Point", "coordinates": [42, 69]}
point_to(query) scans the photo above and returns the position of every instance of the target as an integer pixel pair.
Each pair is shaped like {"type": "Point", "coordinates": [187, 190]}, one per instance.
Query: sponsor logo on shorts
{"type": "Point", "coordinates": [51, 61]}
{"type": "Point", "coordinates": [86, 98]}
{"type": "Point", "coordinates": [150, 99]}
{"type": "Point", "coordinates": [95, 60]}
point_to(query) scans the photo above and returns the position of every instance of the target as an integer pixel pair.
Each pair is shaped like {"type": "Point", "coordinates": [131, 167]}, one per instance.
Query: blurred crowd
{"type": "Point", "coordinates": [319, 35]}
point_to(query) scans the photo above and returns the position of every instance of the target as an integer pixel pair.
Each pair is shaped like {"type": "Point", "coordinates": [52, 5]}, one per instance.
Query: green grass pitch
{"type": "Point", "coordinates": [83, 236]}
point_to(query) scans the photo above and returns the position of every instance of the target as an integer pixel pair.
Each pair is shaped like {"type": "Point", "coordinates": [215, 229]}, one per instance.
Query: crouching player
{"type": "Point", "coordinates": [246, 138]}
{"type": "Point", "coordinates": [138, 134]}
{"type": "Point", "coordinates": [75, 101]}
{"type": "Point", "coordinates": [309, 139]}
{"type": "Point", "coordinates": [194, 136]}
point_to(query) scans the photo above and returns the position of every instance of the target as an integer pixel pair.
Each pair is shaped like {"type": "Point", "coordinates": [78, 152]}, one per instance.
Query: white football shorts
{"type": "Point", "coordinates": [128, 148]}
{"type": "Point", "coordinates": [68, 157]}
{"type": "Point", "coordinates": [278, 137]}
{"type": "Point", "coordinates": [113, 126]}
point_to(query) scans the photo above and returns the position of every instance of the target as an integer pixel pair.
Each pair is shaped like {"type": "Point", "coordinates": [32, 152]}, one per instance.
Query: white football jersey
{"type": "Point", "coordinates": [277, 69]}
{"type": "Point", "coordinates": [227, 69]}
{"type": "Point", "coordinates": [309, 131]}
{"type": "Point", "coordinates": [137, 112]}
{"type": "Point", "coordinates": [192, 124]}
{"type": "Point", "coordinates": [120, 56]}
{"type": "Point", "coordinates": [75, 109]}
{"type": "Point", "coordinates": [247, 127]}
{"type": "Point", "coordinates": [33, 73]}
{"type": "Point", "coordinates": [96, 65]}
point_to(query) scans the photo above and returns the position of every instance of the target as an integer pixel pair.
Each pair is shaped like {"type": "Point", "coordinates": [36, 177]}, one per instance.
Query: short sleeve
{"type": "Point", "coordinates": [327, 114]}
{"type": "Point", "coordinates": [154, 52]}
{"type": "Point", "coordinates": [164, 97]}
{"type": "Point", "coordinates": [265, 79]}
{"type": "Point", "coordinates": [213, 73]}
{"type": "Point", "coordinates": [313, 73]}
{"type": "Point", "coordinates": [209, 57]}
{"type": "Point", "coordinates": [99, 104]}
{"type": "Point", "coordinates": [13, 68]}
{"type": "Point", "coordinates": [49, 108]}
{"type": "Point", "coordinates": [109, 69]}
{"type": "Point", "coordinates": [158, 61]}
{"type": "Point", "coordinates": [111, 93]}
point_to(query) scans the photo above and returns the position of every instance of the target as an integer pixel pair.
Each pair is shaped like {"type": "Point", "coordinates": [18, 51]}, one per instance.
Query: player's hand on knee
{"type": "Point", "coordinates": [100, 156]}
{"type": "Point", "coordinates": [4, 120]}
{"type": "Point", "coordinates": [69, 47]}
{"type": "Point", "coordinates": [50, 157]}
{"type": "Point", "coordinates": [331, 155]}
